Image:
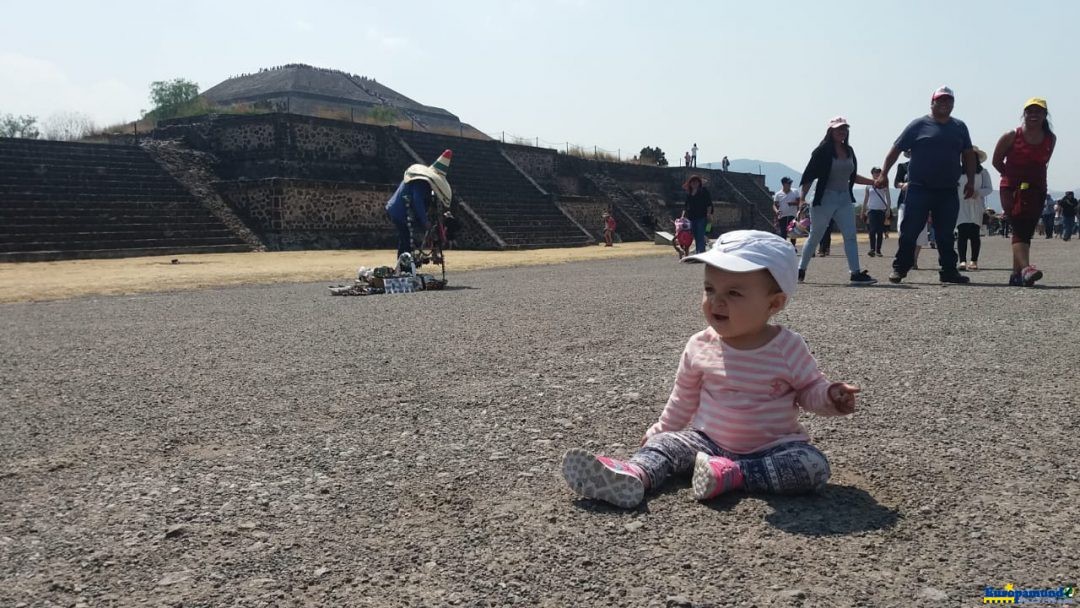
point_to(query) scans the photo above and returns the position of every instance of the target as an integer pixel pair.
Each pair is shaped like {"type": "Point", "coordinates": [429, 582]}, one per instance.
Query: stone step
{"type": "Point", "coordinates": [61, 163]}
{"type": "Point", "coordinates": [80, 254]}
{"type": "Point", "coordinates": [110, 233]}
{"type": "Point", "coordinates": [29, 197]}
{"type": "Point", "coordinates": [72, 213]}
{"type": "Point", "coordinates": [527, 244]}
{"type": "Point", "coordinates": [19, 228]}
{"type": "Point", "coordinates": [31, 176]}
{"type": "Point", "coordinates": [117, 243]}
{"type": "Point", "coordinates": [49, 144]}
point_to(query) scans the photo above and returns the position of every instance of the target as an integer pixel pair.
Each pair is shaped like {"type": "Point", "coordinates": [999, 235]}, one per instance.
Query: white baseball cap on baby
{"type": "Point", "coordinates": [751, 250]}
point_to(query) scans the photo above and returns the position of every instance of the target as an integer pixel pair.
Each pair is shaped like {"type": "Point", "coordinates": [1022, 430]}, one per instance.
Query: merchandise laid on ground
{"type": "Point", "coordinates": [385, 279]}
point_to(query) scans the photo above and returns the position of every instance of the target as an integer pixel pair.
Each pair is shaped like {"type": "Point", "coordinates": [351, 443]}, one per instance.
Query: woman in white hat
{"type": "Point", "coordinates": [970, 218]}
{"type": "Point", "coordinates": [835, 168]}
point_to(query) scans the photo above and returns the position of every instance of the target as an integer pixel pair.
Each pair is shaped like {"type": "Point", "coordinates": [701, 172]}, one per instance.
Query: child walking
{"type": "Point", "coordinates": [609, 228]}
{"type": "Point", "coordinates": [732, 418]}
{"type": "Point", "coordinates": [684, 236]}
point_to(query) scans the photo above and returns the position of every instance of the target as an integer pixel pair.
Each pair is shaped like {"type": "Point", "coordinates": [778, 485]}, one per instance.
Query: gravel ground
{"type": "Point", "coordinates": [275, 446]}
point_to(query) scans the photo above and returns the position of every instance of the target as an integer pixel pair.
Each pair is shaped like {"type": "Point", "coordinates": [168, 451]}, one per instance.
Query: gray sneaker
{"type": "Point", "coordinates": [602, 478]}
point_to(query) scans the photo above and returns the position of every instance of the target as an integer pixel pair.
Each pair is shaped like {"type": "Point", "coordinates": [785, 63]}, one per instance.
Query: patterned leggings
{"type": "Point", "coordinates": [789, 468]}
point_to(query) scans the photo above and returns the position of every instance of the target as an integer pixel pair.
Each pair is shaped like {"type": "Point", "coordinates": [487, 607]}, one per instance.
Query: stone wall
{"type": "Point", "coordinates": [330, 170]}
{"type": "Point", "coordinates": [569, 185]}
{"type": "Point", "coordinates": [664, 185]}
{"type": "Point", "coordinates": [726, 214]}
{"type": "Point", "coordinates": [291, 214]}
{"type": "Point", "coordinates": [245, 137]}
{"type": "Point", "coordinates": [326, 140]}
{"type": "Point", "coordinates": [309, 214]}
{"type": "Point", "coordinates": [538, 163]}
{"type": "Point", "coordinates": [587, 211]}
{"type": "Point", "coordinates": [282, 145]}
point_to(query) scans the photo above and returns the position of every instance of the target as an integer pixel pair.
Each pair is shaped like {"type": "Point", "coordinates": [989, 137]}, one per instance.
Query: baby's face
{"type": "Point", "coordinates": [738, 305]}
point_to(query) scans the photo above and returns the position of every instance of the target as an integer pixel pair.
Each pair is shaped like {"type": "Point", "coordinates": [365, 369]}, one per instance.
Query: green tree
{"type": "Point", "coordinates": [169, 96]}
{"type": "Point", "coordinates": [383, 114]}
{"type": "Point", "coordinates": [653, 156]}
{"type": "Point", "coordinates": [18, 126]}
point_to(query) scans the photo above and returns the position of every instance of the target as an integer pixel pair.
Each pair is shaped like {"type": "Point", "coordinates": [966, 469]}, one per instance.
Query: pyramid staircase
{"type": "Point", "coordinates": [629, 211]}
{"type": "Point", "coordinates": [507, 201]}
{"type": "Point", "coordinates": [63, 200]}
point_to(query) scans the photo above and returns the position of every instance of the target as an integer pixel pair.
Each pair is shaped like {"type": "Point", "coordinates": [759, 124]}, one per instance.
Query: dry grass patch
{"type": "Point", "coordinates": [37, 281]}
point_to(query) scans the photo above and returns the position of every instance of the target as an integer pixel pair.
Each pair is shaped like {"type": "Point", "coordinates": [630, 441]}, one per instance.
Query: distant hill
{"type": "Point", "coordinates": [772, 171]}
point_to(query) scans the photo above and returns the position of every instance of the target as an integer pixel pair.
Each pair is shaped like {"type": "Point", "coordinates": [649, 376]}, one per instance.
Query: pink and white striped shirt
{"type": "Point", "coordinates": [746, 400]}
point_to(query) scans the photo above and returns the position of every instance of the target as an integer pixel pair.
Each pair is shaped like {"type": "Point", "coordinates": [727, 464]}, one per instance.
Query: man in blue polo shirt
{"type": "Point", "coordinates": [938, 143]}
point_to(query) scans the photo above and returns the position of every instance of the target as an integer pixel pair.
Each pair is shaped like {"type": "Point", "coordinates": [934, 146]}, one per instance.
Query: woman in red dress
{"type": "Point", "coordinates": [1021, 157]}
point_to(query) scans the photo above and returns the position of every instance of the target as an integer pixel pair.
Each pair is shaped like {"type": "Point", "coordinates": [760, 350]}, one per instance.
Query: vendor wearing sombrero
{"type": "Point", "coordinates": [408, 207]}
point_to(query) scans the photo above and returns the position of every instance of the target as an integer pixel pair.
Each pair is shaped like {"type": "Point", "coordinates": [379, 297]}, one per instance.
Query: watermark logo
{"type": "Point", "coordinates": [1011, 594]}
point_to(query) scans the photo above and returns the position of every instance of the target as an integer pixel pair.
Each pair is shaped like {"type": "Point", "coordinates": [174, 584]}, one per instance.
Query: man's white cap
{"type": "Point", "coordinates": [750, 250]}
{"type": "Point", "coordinates": [942, 91]}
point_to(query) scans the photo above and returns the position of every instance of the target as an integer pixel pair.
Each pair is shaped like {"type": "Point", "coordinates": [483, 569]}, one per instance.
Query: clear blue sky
{"type": "Point", "coordinates": [749, 79]}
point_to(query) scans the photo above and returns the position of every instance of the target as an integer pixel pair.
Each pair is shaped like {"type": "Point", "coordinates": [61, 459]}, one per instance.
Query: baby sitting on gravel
{"type": "Point", "coordinates": [732, 416]}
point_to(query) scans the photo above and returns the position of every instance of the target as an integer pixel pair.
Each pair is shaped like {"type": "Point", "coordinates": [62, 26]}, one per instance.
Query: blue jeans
{"type": "Point", "coordinates": [782, 225]}
{"type": "Point", "coordinates": [941, 204]}
{"type": "Point", "coordinates": [698, 228]}
{"type": "Point", "coordinates": [835, 206]}
{"type": "Point", "coordinates": [1068, 222]}
{"type": "Point", "coordinates": [876, 220]}
{"type": "Point", "coordinates": [1048, 225]}
{"type": "Point", "coordinates": [404, 239]}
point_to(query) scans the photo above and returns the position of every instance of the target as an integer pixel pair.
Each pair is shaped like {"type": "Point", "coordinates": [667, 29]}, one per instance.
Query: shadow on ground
{"type": "Point", "coordinates": [837, 510]}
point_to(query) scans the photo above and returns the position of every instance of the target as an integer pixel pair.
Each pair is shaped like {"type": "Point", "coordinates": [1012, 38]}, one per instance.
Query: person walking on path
{"type": "Point", "coordinates": [609, 227]}
{"type": "Point", "coordinates": [698, 209]}
{"type": "Point", "coordinates": [724, 164]}
{"type": "Point", "coordinates": [834, 166]}
{"type": "Point", "coordinates": [937, 143]}
{"type": "Point", "coordinates": [877, 205]}
{"type": "Point", "coordinates": [1068, 206]}
{"type": "Point", "coordinates": [693, 155]}
{"type": "Point", "coordinates": [733, 415]}
{"type": "Point", "coordinates": [901, 183]}
{"type": "Point", "coordinates": [1021, 157]}
{"type": "Point", "coordinates": [786, 204]}
{"type": "Point", "coordinates": [972, 212]}
{"type": "Point", "coordinates": [686, 159]}
{"type": "Point", "coordinates": [1049, 209]}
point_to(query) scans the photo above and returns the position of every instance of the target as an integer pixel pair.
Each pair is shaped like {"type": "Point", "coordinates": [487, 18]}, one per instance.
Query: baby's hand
{"type": "Point", "coordinates": [843, 397]}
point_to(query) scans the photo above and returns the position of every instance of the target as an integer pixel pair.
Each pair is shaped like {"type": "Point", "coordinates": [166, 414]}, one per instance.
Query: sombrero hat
{"type": "Point", "coordinates": [686, 184]}
{"type": "Point", "coordinates": [980, 156]}
{"type": "Point", "coordinates": [434, 175]}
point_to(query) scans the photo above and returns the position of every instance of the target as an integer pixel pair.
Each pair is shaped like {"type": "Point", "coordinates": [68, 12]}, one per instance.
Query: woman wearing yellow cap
{"type": "Point", "coordinates": [1021, 157]}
